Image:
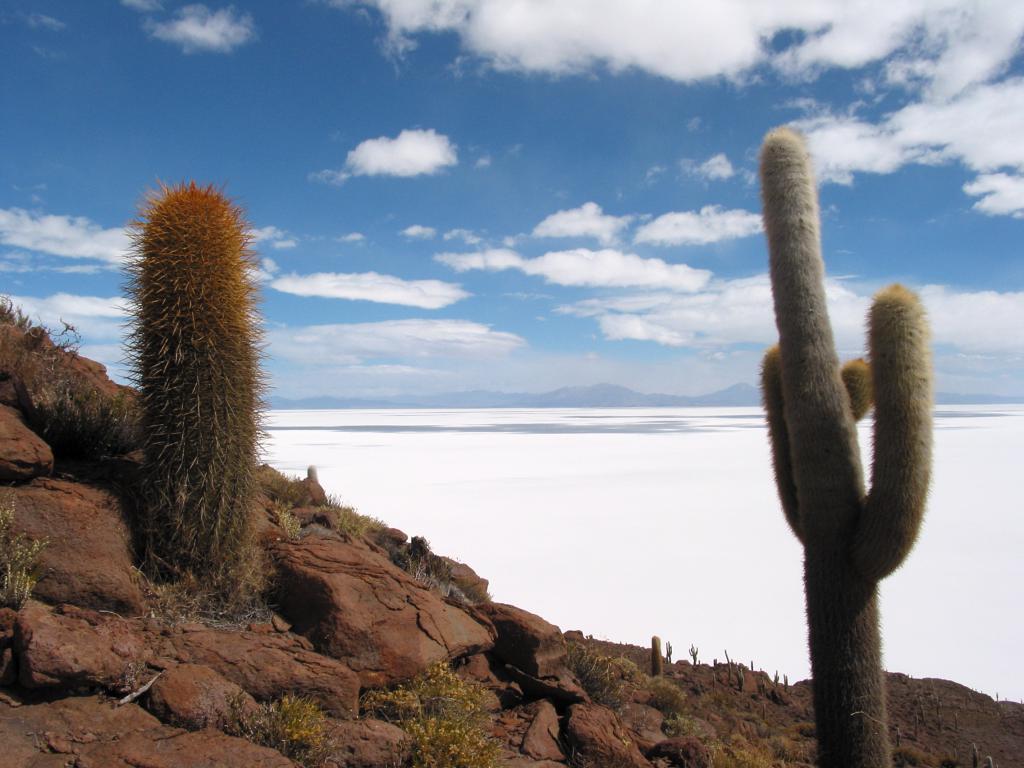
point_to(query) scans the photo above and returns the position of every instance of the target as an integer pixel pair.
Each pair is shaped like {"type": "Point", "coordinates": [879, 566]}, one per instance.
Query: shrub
{"type": "Point", "coordinates": [667, 697]}
{"type": "Point", "coordinates": [18, 555]}
{"type": "Point", "coordinates": [444, 715]}
{"type": "Point", "coordinates": [606, 680]}
{"type": "Point", "coordinates": [294, 726]}
{"type": "Point", "coordinates": [911, 756]}
{"type": "Point", "coordinates": [78, 421]}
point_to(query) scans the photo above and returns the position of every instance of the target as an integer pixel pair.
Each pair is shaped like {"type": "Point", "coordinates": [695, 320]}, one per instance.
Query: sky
{"type": "Point", "coordinates": [520, 195]}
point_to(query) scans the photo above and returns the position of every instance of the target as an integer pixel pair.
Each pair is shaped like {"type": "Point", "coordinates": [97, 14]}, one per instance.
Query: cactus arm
{"type": "Point", "coordinates": [771, 396]}
{"type": "Point", "coordinates": [901, 469]}
{"type": "Point", "coordinates": [856, 376]}
{"type": "Point", "coordinates": [823, 439]}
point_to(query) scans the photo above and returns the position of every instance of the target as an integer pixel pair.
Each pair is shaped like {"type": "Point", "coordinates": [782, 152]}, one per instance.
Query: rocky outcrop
{"type": "Point", "coordinates": [88, 732]}
{"type": "Point", "coordinates": [598, 736]}
{"type": "Point", "coordinates": [367, 743]}
{"type": "Point", "coordinates": [682, 752]}
{"type": "Point", "coordinates": [193, 696]}
{"type": "Point", "coordinates": [541, 740]}
{"type": "Point", "coordinates": [23, 454]}
{"type": "Point", "coordinates": [87, 560]}
{"type": "Point", "coordinates": [356, 606]}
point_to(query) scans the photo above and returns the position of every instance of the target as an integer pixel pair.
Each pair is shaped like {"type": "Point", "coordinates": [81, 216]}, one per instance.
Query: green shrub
{"type": "Point", "coordinates": [294, 726]}
{"type": "Point", "coordinates": [666, 696]}
{"type": "Point", "coordinates": [79, 421]}
{"type": "Point", "coordinates": [606, 680]}
{"type": "Point", "coordinates": [18, 555]}
{"type": "Point", "coordinates": [445, 716]}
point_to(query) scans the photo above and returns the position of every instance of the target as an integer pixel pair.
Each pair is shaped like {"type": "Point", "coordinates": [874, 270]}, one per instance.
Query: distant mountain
{"type": "Point", "coordinates": [595, 396]}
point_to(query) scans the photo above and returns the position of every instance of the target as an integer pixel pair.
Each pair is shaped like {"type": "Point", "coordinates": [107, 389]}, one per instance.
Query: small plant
{"type": "Point", "coordinates": [18, 556]}
{"type": "Point", "coordinates": [289, 523]}
{"type": "Point", "coordinates": [667, 697]}
{"type": "Point", "coordinates": [294, 726]}
{"type": "Point", "coordinates": [606, 680]}
{"type": "Point", "coordinates": [445, 716]}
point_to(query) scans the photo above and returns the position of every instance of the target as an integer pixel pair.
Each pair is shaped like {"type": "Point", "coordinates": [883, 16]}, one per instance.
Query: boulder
{"type": "Point", "coordinates": [72, 648]}
{"type": "Point", "coordinates": [599, 737]}
{"type": "Point", "coordinates": [541, 739]}
{"type": "Point", "coordinates": [367, 743]}
{"type": "Point", "coordinates": [8, 669]}
{"type": "Point", "coordinates": [682, 752]}
{"type": "Point", "coordinates": [356, 606]}
{"type": "Point", "coordinates": [525, 640]}
{"type": "Point", "coordinates": [23, 454]}
{"type": "Point", "coordinates": [88, 732]}
{"type": "Point", "coordinates": [268, 665]}
{"type": "Point", "coordinates": [644, 720]}
{"type": "Point", "coordinates": [195, 697]}
{"type": "Point", "coordinates": [88, 556]}
{"type": "Point", "coordinates": [486, 670]}
{"type": "Point", "coordinates": [468, 581]}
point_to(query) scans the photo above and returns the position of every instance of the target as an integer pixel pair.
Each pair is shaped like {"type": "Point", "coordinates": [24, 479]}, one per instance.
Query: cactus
{"type": "Point", "coordinates": [657, 665]}
{"type": "Point", "coordinates": [668, 652]}
{"type": "Point", "coordinates": [693, 654]}
{"type": "Point", "coordinates": [195, 355]}
{"type": "Point", "coordinates": [851, 539]}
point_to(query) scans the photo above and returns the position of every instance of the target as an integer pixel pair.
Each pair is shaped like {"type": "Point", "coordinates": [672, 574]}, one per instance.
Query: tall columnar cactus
{"type": "Point", "coordinates": [657, 663]}
{"type": "Point", "coordinates": [195, 353]}
{"type": "Point", "coordinates": [851, 539]}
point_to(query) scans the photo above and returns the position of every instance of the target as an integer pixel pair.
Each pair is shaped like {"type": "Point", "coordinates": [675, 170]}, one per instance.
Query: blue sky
{"type": "Point", "coordinates": [524, 194]}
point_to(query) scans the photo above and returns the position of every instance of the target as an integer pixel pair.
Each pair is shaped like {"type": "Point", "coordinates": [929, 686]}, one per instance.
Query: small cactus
{"type": "Point", "coordinates": [668, 652]}
{"type": "Point", "coordinates": [693, 654]}
{"type": "Point", "coordinates": [657, 663]}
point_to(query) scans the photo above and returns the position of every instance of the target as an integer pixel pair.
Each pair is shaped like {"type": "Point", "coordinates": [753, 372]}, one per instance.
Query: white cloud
{"type": "Point", "coordinates": [586, 221]}
{"type": "Point", "coordinates": [274, 237]}
{"type": "Point", "coordinates": [1000, 194]}
{"type": "Point", "coordinates": [583, 267]}
{"type": "Point", "coordinates": [465, 235]}
{"type": "Point", "coordinates": [484, 161]}
{"type": "Point", "coordinates": [351, 344]}
{"type": "Point", "coordinates": [327, 176]}
{"type": "Point", "coordinates": [70, 236]}
{"type": "Point", "coordinates": [419, 232]}
{"type": "Point", "coordinates": [977, 128]}
{"type": "Point", "coordinates": [954, 44]}
{"type": "Point", "coordinates": [42, 21]}
{"type": "Point", "coordinates": [351, 237]}
{"type": "Point", "coordinates": [711, 224]}
{"type": "Point", "coordinates": [96, 318]}
{"type": "Point", "coordinates": [714, 168]}
{"type": "Point", "coordinates": [145, 6]}
{"type": "Point", "coordinates": [371, 286]}
{"type": "Point", "coordinates": [411, 153]}
{"type": "Point", "coordinates": [197, 29]}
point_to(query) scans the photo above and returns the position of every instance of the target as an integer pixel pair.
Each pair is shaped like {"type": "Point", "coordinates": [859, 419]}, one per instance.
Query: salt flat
{"type": "Point", "coordinates": [630, 522]}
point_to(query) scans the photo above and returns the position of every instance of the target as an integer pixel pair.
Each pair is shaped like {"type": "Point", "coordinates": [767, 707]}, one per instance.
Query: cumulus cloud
{"type": "Point", "coordinates": [197, 29]}
{"type": "Point", "coordinates": [353, 343]}
{"type": "Point", "coordinates": [411, 153]}
{"type": "Point", "coordinates": [73, 237]}
{"type": "Point", "coordinates": [42, 21]}
{"type": "Point", "coordinates": [96, 318]}
{"type": "Point", "coordinates": [351, 237]}
{"type": "Point", "coordinates": [976, 128]}
{"type": "Point", "coordinates": [1000, 194]}
{"type": "Point", "coordinates": [419, 232]}
{"type": "Point", "coordinates": [371, 286]}
{"type": "Point", "coordinates": [583, 267]}
{"type": "Point", "coordinates": [465, 235]}
{"type": "Point", "coordinates": [145, 6]}
{"type": "Point", "coordinates": [952, 45]}
{"type": "Point", "coordinates": [715, 168]}
{"type": "Point", "coordinates": [274, 237]}
{"type": "Point", "coordinates": [586, 221]}
{"type": "Point", "coordinates": [711, 224]}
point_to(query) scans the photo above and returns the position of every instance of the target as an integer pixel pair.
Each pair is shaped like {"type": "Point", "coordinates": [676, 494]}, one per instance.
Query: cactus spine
{"type": "Point", "coordinates": [657, 664]}
{"type": "Point", "coordinates": [195, 355]}
{"type": "Point", "coordinates": [851, 539]}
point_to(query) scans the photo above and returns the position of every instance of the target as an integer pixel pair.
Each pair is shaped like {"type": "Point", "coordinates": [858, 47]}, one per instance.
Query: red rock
{"type": "Point", "coordinates": [682, 752]}
{"type": "Point", "coordinates": [367, 743]}
{"type": "Point", "coordinates": [270, 665]}
{"type": "Point", "coordinates": [644, 720]}
{"type": "Point", "coordinates": [80, 648]}
{"type": "Point", "coordinates": [193, 696]}
{"type": "Point", "coordinates": [358, 607]}
{"type": "Point", "coordinates": [484, 669]}
{"type": "Point", "coordinates": [598, 735]}
{"type": "Point", "coordinates": [525, 640]}
{"type": "Point", "coordinates": [541, 739]}
{"type": "Point", "coordinates": [88, 558]}
{"type": "Point", "coordinates": [466, 579]}
{"type": "Point", "coordinates": [94, 733]}
{"type": "Point", "coordinates": [23, 454]}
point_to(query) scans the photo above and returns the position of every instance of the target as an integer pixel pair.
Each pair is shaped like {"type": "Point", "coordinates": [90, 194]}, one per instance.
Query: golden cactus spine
{"type": "Point", "coordinates": [851, 539]}
{"type": "Point", "coordinates": [196, 362]}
